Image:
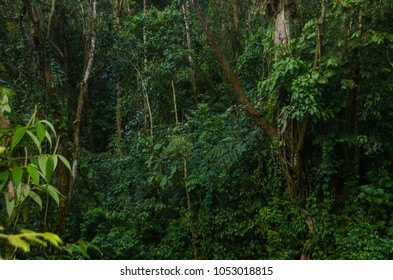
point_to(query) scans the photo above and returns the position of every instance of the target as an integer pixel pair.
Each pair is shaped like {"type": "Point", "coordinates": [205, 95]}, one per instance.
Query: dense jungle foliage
{"type": "Point", "coordinates": [184, 129]}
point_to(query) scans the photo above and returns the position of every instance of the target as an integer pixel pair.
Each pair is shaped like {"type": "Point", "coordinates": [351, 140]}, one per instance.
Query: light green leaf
{"type": "Point", "coordinates": [10, 206]}
{"type": "Point", "coordinates": [34, 238]}
{"type": "Point", "coordinates": [54, 193]}
{"type": "Point", "coordinates": [25, 191]}
{"type": "Point", "coordinates": [65, 161]}
{"type": "Point", "coordinates": [40, 131]}
{"type": "Point", "coordinates": [17, 174]}
{"type": "Point", "coordinates": [19, 243]}
{"type": "Point", "coordinates": [42, 164]}
{"type": "Point", "coordinates": [3, 178]}
{"type": "Point", "coordinates": [33, 172]}
{"type": "Point", "coordinates": [53, 238]}
{"type": "Point", "coordinates": [18, 191]}
{"type": "Point", "coordinates": [47, 135]}
{"type": "Point", "coordinates": [36, 198]}
{"type": "Point", "coordinates": [35, 140]}
{"type": "Point", "coordinates": [54, 158]}
{"type": "Point", "coordinates": [19, 134]}
{"type": "Point", "coordinates": [50, 126]}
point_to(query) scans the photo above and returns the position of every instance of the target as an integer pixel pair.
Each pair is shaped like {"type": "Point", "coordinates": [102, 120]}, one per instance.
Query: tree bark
{"type": "Point", "coordinates": [36, 17]}
{"type": "Point", "coordinates": [82, 95]}
{"type": "Point", "coordinates": [52, 13]}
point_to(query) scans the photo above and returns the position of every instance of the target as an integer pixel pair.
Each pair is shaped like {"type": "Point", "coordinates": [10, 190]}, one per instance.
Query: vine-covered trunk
{"type": "Point", "coordinates": [292, 158]}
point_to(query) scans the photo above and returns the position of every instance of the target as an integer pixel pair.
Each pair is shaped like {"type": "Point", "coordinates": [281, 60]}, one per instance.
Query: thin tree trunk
{"type": "Point", "coordinates": [52, 13]}
{"type": "Point", "coordinates": [144, 38]}
{"type": "Point", "coordinates": [356, 123]}
{"type": "Point", "coordinates": [189, 208]}
{"type": "Point", "coordinates": [318, 49]}
{"type": "Point", "coordinates": [147, 103]}
{"type": "Point", "coordinates": [82, 95]}
{"type": "Point", "coordinates": [174, 102]}
{"type": "Point", "coordinates": [235, 32]}
{"type": "Point", "coordinates": [119, 119]}
{"type": "Point", "coordinates": [143, 81]}
{"type": "Point", "coordinates": [185, 8]}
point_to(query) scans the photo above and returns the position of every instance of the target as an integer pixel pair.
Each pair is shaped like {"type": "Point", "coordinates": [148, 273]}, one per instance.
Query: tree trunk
{"type": "Point", "coordinates": [82, 95]}
{"type": "Point", "coordinates": [185, 8]}
{"type": "Point", "coordinates": [119, 119]}
{"type": "Point", "coordinates": [36, 17]}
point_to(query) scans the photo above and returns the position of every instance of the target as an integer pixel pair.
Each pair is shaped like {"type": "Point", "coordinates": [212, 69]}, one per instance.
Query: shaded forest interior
{"type": "Point", "coordinates": [185, 129]}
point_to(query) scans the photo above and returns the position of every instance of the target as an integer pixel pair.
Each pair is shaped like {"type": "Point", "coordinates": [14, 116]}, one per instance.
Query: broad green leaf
{"type": "Point", "coordinates": [25, 190]}
{"type": "Point", "coordinates": [35, 140]}
{"type": "Point", "coordinates": [49, 168]}
{"type": "Point", "coordinates": [10, 206]}
{"type": "Point", "coordinates": [52, 238]}
{"type": "Point", "coordinates": [42, 164]}
{"type": "Point", "coordinates": [54, 158]}
{"type": "Point", "coordinates": [33, 172]}
{"type": "Point", "coordinates": [50, 126]}
{"type": "Point", "coordinates": [40, 131]}
{"type": "Point", "coordinates": [3, 178]}
{"type": "Point", "coordinates": [17, 174]}
{"type": "Point", "coordinates": [65, 161]}
{"type": "Point", "coordinates": [54, 193]}
{"type": "Point", "coordinates": [36, 198]}
{"type": "Point", "coordinates": [19, 134]}
{"type": "Point", "coordinates": [19, 243]}
{"type": "Point", "coordinates": [4, 99]}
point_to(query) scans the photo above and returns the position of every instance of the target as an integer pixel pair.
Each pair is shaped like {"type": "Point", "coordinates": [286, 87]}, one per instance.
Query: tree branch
{"type": "Point", "coordinates": [233, 79]}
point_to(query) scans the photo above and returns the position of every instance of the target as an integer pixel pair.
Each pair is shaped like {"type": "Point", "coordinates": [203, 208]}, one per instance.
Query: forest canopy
{"type": "Point", "coordinates": [185, 129]}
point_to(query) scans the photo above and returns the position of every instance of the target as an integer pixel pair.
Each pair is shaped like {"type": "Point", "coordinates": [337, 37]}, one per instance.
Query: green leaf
{"type": "Point", "coordinates": [18, 191]}
{"type": "Point", "coordinates": [10, 206]}
{"type": "Point", "coordinates": [54, 158]}
{"type": "Point", "coordinates": [19, 134]}
{"type": "Point", "coordinates": [35, 140]}
{"type": "Point", "coordinates": [50, 126]}
{"type": "Point", "coordinates": [52, 238]}
{"type": "Point", "coordinates": [54, 193]}
{"type": "Point", "coordinates": [42, 163]}
{"type": "Point", "coordinates": [65, 161]}
{"type": "Point", "coordinates": [47, 135]}
{"type": "Point", "coordinates": [81, 250]}
{"type": "Point", "coordinates": [33, 172]}
{"type": "Point", "coordinates": [33, 236]}
{"type": "Point", "coordinates": [49, 168]}
{"type": "Point", "coordinates": [36, 198]}
{"type": "Point", "coordinates": [25, 191]}
{"type": "Point", "coordinates": [19, 243]}
{"type": "Point", "coordinates": [40, 131]}
{"type": "Point", "coordinates": [3, 178]}
{"type": "Point", "coordinates": [17, 174]}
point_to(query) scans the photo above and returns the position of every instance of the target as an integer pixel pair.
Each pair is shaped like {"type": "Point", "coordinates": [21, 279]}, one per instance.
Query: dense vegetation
{"type": "Point", "coordinates": [253, 129]}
